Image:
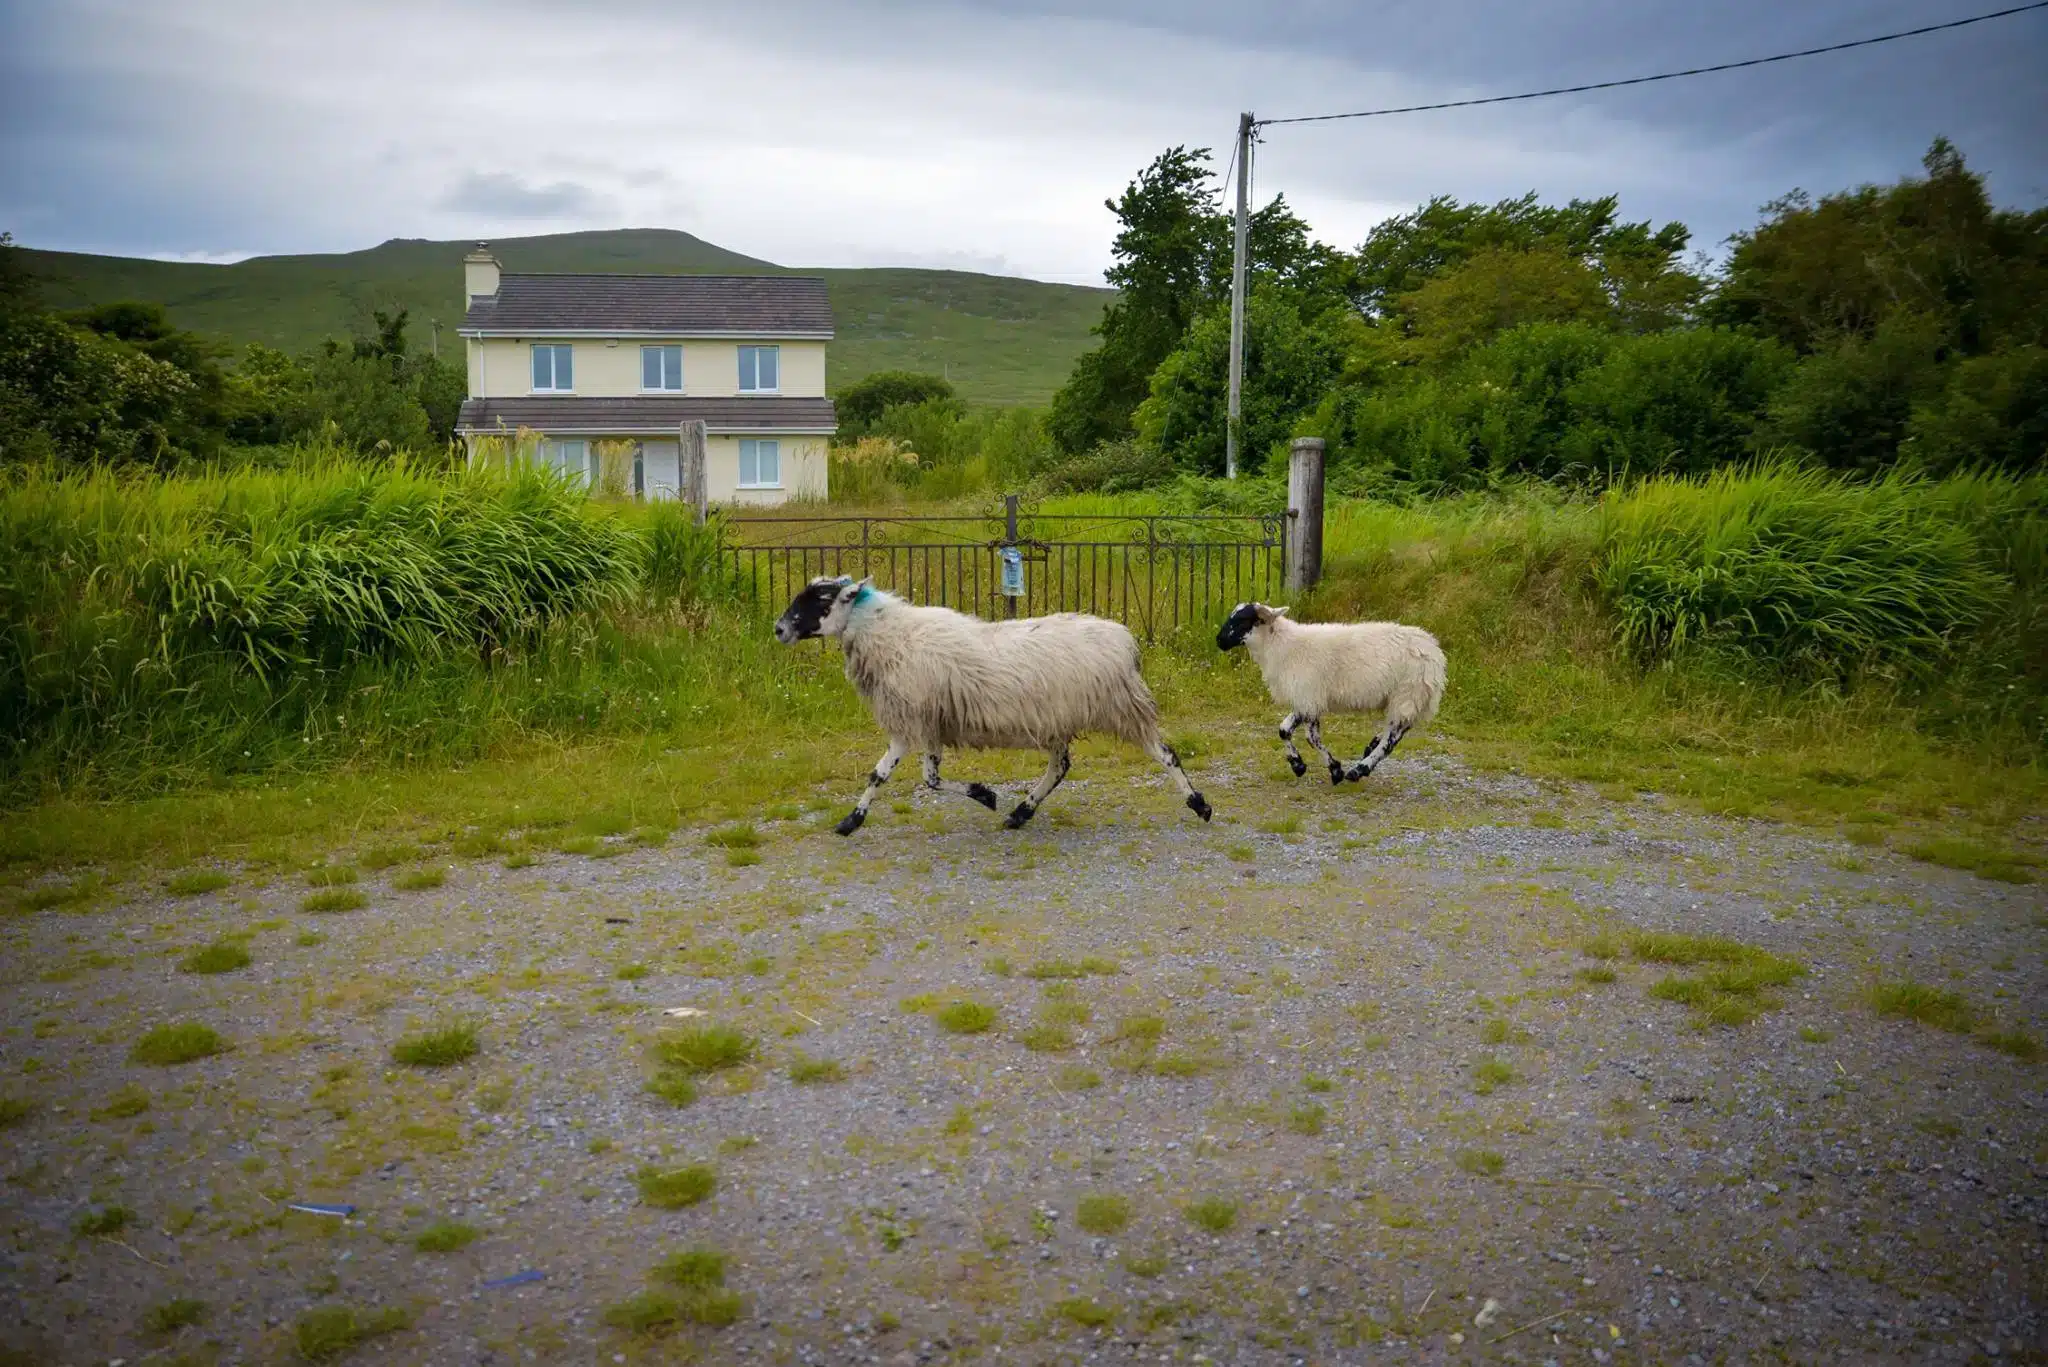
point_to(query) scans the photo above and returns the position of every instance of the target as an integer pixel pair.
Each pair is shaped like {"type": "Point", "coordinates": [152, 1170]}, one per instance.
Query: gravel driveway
{"type": "Point", "coordinates": [1336, 1077]}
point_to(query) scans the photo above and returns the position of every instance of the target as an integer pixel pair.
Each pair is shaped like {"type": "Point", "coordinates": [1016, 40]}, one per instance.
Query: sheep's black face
{"type": "Point", "coordinates": [1237, 626]}
{"type": "Point", "coordinates": [819, 610]}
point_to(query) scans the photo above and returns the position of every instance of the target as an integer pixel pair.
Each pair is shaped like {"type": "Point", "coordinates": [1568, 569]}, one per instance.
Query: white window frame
{"type": "Point", "coordinates": [554, 350]}
{"type": "Point", "coordinates": [557, 452]}
{"type": "Point", "coordinates": [774, 452]}
{"type": "Point", "coordinates": [663, 348]}
{"type": "Point", "coordinates": [750, 383]}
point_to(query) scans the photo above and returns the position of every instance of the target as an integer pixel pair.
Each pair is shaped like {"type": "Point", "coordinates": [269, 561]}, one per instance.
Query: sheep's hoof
{"type": "Point", "coordinates": [1357, 772]}
{"type": "Point", "coordinates": [1018, 816]}
{"type": "Point", "coordinates": [1297, 764]}
{"type": "Point", "coordinates": [983, 794]}
{"type": "Point", "coordinates": [851, 823]}
{"type": "Point", "coordinates": [1336, 773]}
{"type": "Point", "coordinates": [1199, 805]}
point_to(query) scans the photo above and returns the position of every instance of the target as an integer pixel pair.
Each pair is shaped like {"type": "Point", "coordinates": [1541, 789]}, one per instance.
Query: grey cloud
{"type": "Point", "coordinates": [500, 194]}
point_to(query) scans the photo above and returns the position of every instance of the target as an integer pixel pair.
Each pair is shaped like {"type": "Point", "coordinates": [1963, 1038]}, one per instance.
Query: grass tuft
{"type": "Point", "coordinates": [674, 1086]}
{"type": "Point", "coordinates": [196, 882]}
{"type": "Point", "coordinates": [1935, 1006]}
{"type": "Point", "coordinates": [168, 1317]}
{"type": "Point", "coordinates": [103, 1221]}
{"type": "Point", "coordinates": [703, 1049]}
{"type": "Point", "coordinates": [965, 1017]}
{"type": "Point", "coordinates": [222, 956]}
{"type": "Point", "coordinates": [1103, 1214]}
{"type": "Point", "coordinates": [1974, 856]}
{"type": "Point", "coordinates": [441, 1048]}
{"type": "Point", "coordinates": [169, 1045]}
{"type": "Point", "coordinates": [1731, 990]}
{"type": "Point", "coordinates": [809, 1072]}
{"type": "Point", "coordinates": [419, 880]}
{"type": "Point", "coordinates": [691, 1270]}
{"type": "Point", "coordinates": [331, 876]}
{"type": "Point", "coordinates": [741, 836]}
{"type": "Point", "coordinates": [380, 857]}
{"type": "Point", "coordinates": [444, 1236]}
{"type": "Point", "coordinates": [1308, 1119]}
{"type": "Point", "coordinates": [674, 1188]}
{"type": "Point", "coordinates": [1490, 1073]}
{"type": "Point", "coordinates": [644, 1312]}
{"type": "Point", "coordinates": [1089, 1314]}
{"type": "Point", "coordinates": [331, 1331]}
{"type": "Point", "coordinates": [1212, 1213]}
{"type": "Point", "coordinates": [334, 899]}
{"type": "Point", "coordinates": [15, 1110]}
{"type": "Point", "coordinates": [1480, 1162]}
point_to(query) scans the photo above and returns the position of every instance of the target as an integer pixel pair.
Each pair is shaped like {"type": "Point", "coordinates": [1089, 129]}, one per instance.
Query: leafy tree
{"type": "Point", "coordinates": [1932, 247]}
{"type": "Point", "coordinates": [1173, 258]}
{"type": "Point", "coordinates": [1494, 289]}
{"type": "Point", "coordinates": [864, 401]}
{"type": "Point", "coordinates": [1288, 365]}
{"type": "Point", "coordinates": [1683, 401]}
{"type": "Point", "coordinates": [1849, 404]}
{"type": "Point", "coordinates": [1993, 411]}
{"type": "Point", "coordinates": [1635, 263]}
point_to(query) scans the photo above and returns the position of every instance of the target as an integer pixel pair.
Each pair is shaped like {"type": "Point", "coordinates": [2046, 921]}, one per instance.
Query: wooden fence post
{"type": "Point", "coordinates": [1304, 514]}
{"type": "Point", "coordinates": [692, 453]}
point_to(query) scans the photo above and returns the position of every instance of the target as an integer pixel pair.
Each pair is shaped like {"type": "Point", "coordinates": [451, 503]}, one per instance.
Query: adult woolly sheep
{"type": "Point", "coordinates": [935, 677]}
{"type": "Point", "coordinates": [1316, 669]}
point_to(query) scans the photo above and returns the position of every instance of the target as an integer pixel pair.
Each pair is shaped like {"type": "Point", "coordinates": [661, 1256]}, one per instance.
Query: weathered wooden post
{"type": "Point", "coordinates": [1304, 514]}
{"type": "Point", "coordinates": [694, 488]}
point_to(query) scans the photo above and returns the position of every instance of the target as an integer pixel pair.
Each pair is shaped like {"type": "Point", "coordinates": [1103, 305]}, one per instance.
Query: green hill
{"type": "Point", "coordinates": [1001, 340]}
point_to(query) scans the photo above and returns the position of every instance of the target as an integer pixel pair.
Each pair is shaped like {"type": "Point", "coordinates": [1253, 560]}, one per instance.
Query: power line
{"type": "Point", "coordinates": [1668, 75]}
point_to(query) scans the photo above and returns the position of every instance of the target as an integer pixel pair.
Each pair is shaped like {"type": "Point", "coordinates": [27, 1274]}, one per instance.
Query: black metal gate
{"type": "Point", "coordinates": [1155, 574]}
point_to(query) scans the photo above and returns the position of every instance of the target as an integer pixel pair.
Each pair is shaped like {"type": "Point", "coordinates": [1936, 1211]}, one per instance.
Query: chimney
{"type": "Point", "coordinates": [480, 272]}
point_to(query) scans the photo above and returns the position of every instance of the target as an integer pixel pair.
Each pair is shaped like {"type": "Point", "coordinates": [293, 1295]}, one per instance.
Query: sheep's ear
{"type": "Point", "coordinates": [849, 589]}
{"type": "Point", "coordinates": [1266, 614]}
{"type": "Point", "coordinates": [1279, 612]}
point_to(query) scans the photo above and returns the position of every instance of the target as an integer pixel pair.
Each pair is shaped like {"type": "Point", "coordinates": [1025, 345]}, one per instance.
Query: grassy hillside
{"type": "Point", "coordinates": [1001, 340]}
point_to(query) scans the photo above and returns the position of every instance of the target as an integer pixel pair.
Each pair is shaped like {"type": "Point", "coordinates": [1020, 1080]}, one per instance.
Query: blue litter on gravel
{"type": "Point", "coordinates": [516, 1279]}
{"type": "Point", "coordinates": [312, 1208]}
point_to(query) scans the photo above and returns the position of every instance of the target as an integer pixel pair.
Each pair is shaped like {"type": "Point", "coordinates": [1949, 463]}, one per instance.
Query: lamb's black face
{"type": "Point", "coordinates": [1237, 626]}
{"type": "Point", "coordinates": [811, 610]}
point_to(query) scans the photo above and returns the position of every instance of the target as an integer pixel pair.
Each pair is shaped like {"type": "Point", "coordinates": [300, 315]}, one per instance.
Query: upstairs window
{"type": "Point", "coordinates": [760, 463]}
{"type": "Point", "coordinates": [760, 370]}
{"type": "Point", "coordinates": [661, 368]}
{"type": "Point", "coordinates": [553, 369]}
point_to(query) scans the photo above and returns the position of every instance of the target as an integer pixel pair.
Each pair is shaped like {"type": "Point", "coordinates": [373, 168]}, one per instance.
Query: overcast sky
{"type": "Point", "coordinates": [982, 135]}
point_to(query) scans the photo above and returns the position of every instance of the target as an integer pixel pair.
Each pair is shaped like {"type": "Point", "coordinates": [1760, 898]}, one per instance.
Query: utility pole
{"type": "Point", "coordinates": [1244, 169]}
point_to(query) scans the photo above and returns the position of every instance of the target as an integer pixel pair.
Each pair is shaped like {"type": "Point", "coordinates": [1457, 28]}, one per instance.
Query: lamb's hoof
{"type": "Point", "coordinates": [1020, 814]}
{"type": "Point", "coordinates": [1297, 764]}
{"type": "Point", "coordinates": [1336, 773]}
{"type": "Point", "coordinates": [1357, 772]}
{"type": "Point", "coordinates": [983, 794]}
{"type": "Point", "coordinates": [1199, 805]}
{"type": "Point", "coordinates": [851, 823]}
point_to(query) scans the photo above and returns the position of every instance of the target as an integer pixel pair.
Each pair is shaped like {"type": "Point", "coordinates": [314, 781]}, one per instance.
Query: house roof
{"type": "Point", "coordinates": [655, 416]}
{"type": "Point", "coordinates": [663, 305]}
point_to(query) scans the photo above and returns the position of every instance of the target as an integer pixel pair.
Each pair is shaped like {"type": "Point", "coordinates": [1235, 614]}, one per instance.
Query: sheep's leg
{"type": "Point", "coordinates": [1375, 753]}
{"type": "Point", "coordinates": [1055, 771]}
{"type": "Point", "coordinates": [1163, 752]}
{"type": "Point", "coordinates": [1294, 761]}
{"type": "Point", "coordinates": [980, 792]}
{"type": "Point", "coordinates": [1315, 738]}
{"type": "Point", "coordinates": [890, 758]}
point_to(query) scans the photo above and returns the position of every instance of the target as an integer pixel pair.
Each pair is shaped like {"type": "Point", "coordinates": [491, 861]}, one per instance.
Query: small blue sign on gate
{"type": "Point", "coordinates": [1013, 572]}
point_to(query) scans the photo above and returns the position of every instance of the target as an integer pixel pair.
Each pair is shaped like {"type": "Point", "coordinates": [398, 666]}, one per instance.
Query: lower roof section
{"type": "Point", "coordinates": [658, 415]}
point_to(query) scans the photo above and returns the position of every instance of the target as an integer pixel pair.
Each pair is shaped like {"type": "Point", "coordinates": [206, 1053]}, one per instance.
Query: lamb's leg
{"type": "Point", "coordinates": [1315, 738]}
{"type": "Point", "coordinates": [1163, 752]}
{"type": "Point", "coordinates": [896, 751]}
{"type": "Point", "coordinates": [1381, 747]}
{"type": "Point", "coordinates": [1294, 761]}
{"type": "Point", "coordinates": [1055, 771]}
{"type": "Point", "coordinates": [980, 792]}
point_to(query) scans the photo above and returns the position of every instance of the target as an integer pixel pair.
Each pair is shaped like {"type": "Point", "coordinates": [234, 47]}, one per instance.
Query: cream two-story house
{"type": "Point", "coordinates": [583, 359]}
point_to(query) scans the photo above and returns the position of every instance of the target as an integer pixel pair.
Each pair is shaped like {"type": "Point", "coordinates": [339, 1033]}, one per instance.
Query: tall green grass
{"type": "Point", "coordinates": [1810, 576]}
{"type": "Point", "coordinates": [161, 631]}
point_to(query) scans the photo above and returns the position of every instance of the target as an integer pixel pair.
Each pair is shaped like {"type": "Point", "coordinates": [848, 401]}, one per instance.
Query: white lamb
{"type": "Point", "coordinates": [1314, 670]}
{"type": "Point", "coordinates": [936, 677]}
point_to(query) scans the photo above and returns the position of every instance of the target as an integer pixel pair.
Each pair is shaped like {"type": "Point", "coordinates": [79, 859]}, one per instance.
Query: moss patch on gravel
{"type": "Point", "coordinates": [169, 1045]}
{"type": "Point", "coordinates": [222, 956]}
{"type": "Point", "coordinates": [327, 1332]}
{"type": "Point", "coordinates": [439, 1048]}
{"type": "Point", "coordinates": [674, 1188]}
